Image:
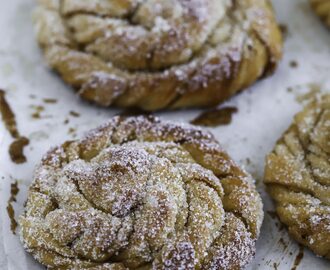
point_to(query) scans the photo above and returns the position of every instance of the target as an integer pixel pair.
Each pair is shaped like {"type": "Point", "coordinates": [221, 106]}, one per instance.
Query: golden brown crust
{"type": "Point", "coordinates": [322, 9]}
{"type": "Point", "coordinates": [138, 193]}
{"type": "Point", "coordinates": [159, 54]}
{"type": "Point", "coordinates": [298, 177]}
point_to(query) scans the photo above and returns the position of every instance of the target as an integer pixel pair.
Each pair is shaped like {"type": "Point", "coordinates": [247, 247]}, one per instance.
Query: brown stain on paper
{"type": "Point", "coordinates": [10, 209]}
{"type": "Point", "coordinates": [284, 30]}
{"type": "Point", "coordinates": [37, 111]}
{"type": "Point", "coordinates": [16, 148]}
{"type": "Point", "coordinates": [298, 258]}
{"type": "Point", "coordinates": [216, 117]}
{"type": "Point", "coordinates": [50, 100]}
{"type": "Point", "coordinates": [74, 114]}
{"type": "Point", "coordinates": [8, 116]}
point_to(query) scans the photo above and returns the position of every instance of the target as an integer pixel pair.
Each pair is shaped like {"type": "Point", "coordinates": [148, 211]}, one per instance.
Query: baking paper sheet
{"type": "Point", "coordinates": [265, 111]}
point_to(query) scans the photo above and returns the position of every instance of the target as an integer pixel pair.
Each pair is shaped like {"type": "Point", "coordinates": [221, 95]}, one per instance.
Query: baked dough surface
{"type": "Point", "coordinates": [297, 176]}
{"type": "Point", "coordinates": [138, 193]}
{"type": "Point", "coordinates": [156, 54]}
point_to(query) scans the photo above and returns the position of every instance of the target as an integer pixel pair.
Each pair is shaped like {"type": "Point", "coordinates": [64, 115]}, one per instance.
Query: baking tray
{"type": "Point", "coordinates": [264, 111]}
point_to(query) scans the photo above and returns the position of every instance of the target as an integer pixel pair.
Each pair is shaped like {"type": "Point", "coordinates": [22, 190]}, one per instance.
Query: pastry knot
{"type": "Point", "coordinates": [157, 54]}
{"type": "Point", "coordinates": [138, 193]}
{"type": "Point", "coordinates": [297, 174]}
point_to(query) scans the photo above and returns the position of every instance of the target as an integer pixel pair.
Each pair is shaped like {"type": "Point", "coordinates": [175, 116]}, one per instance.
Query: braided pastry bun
{"type": "Point", "coordinates": [138, 193]}
{"type": "Point", "coordinates": [298, 177]}
{"type": "Point", "coordinates": [322, 9]}
{"type": "Point", "coordinates": [157, 54]}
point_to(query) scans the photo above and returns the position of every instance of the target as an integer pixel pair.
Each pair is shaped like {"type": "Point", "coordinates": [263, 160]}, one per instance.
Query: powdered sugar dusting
{"type": "Point", "coordinates": [144, 196]}
{"type": "Point", "coordinates": [298, 173]}
{"type": "Point", "coordinates": [175, 46]}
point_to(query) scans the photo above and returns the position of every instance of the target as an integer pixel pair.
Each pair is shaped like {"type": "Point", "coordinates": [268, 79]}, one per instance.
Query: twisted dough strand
{"type": "Point", "coordinates": [138, 193]}
{"type": "Point", "coordinates": [156, 54]}
{"type": "Point", "coordinates": [298, 177]}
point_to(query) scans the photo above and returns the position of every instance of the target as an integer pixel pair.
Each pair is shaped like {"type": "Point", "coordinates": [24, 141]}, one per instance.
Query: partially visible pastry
{"type": "Point", "coordinates": [322, 9]}
{"type": "Point", "coordinates": [138, 193]}
{"type": "Point", "coordinates": [297, 176]}
{"type": "Point", "coordinates": [159, 54]}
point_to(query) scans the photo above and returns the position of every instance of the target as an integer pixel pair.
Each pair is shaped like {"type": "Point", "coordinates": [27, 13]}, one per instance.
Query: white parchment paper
{"type": "Point", "coordinates": [265, 111]}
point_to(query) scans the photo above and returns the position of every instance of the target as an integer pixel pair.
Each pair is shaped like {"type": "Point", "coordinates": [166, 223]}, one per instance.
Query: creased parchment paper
{"type": "Point", "coordinates": [265, 111]}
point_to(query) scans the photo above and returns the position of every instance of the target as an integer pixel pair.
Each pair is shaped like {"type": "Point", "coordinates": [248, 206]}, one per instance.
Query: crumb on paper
{"type": "Point", "coordinates": [293, 64]}
{"type": "Point", "coordinates": [215, 117]}
{"type": "Point", "coordinates": [285, 30]}
{"type": "Point", "coordinates": [50, 100]}
{"type": "Point", "coordinates": [74, 114]}
{"type": "Point", "coordinates": [298, 258]}
{"type": "Point", "coordinates": [16, 148]}
{"type": "Point", "coordinates": [10, 209]}
{"type": "Point", "coordinates": [38, 109]}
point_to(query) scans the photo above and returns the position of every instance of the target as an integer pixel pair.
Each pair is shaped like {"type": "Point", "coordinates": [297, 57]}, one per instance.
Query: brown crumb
{"type": "Point", "coordinates": [283, 243]}
{"type": "Point", "coordinates": [8, 116]}
{"type": "Point", "coordinates": [285, 30]}
{"type": "Point", "coordinates": [215, 117]}
{"type": "Point", "coordinates": [248, 161]}
{"type": "Point", "coordinates": [37, 113]}
{"type": "Point", "coordinates": [10, 209]}
{"type": "Point", "coordinates": [50, 100]}
{"type": "Point", "coordinates": [276, 265]}
{"type": "Point", "coordinates": [74, 114]}
{"type": "Point", "coordinates": [16, 150]}
{"type": "Point", "coordinates": [72, 132]}
{"type": "Point", "coordinates": [293, 64]}
{"type": "Point", "coordinates": [299, 257]}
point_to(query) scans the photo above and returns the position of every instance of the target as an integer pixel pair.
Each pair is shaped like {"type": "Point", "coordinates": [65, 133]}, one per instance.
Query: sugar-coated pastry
{"type": "Point", "coordinates": [139, 193]}
{"type": "Point", "coordinates": [158, 54]}
{"type": "Point", "coordinates": [297, 176]}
